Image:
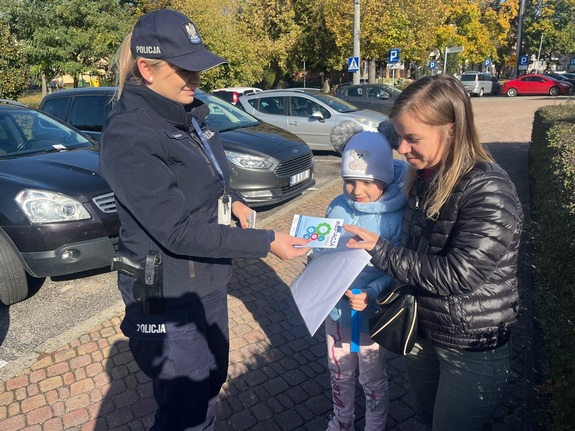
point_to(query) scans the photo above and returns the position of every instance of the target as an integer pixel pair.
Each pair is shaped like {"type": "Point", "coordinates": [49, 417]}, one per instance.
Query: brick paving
{"type": "Point", "coordinates": [278, 378]}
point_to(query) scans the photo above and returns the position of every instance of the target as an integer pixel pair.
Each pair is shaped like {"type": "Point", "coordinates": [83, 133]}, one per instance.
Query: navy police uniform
{"type": "Point", "coordinates": [167, 187]}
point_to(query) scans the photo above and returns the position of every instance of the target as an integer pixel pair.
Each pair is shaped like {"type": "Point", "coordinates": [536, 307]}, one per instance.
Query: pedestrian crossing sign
{"type": "Point", "coordinates": [353, 64]}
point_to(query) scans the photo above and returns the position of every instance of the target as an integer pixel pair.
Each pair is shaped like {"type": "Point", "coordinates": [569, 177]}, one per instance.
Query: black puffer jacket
{"type": "Point", "coordinates": [467, 278]}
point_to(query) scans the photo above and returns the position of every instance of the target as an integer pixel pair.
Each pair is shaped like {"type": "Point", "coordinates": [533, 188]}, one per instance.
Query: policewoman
{"type": "Point", "coordinates": [170, 176]}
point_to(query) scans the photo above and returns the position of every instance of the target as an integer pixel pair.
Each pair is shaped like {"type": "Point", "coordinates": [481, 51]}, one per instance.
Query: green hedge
{"type": "Point", "coordinates": [552, 169]}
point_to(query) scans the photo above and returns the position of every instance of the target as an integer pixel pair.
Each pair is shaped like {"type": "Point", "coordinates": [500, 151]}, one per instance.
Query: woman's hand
{"type": "Point", "coordinates": [283, 246]}
{"type": "Point", "coordinates": [359, 301]}
{"type": "Point", "coordinates": [363, 238]}
{"type": "Point", "coordinates": [241, 211]}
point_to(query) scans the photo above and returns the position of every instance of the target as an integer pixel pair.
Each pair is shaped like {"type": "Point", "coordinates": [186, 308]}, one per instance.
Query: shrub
{"type": "Point", "coordinates": [552, 168]}
{"type": "Point", "coordinates": [31, 99]}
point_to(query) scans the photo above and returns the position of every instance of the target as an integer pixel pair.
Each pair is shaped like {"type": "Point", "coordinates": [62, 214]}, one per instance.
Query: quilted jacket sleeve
{"type": "Point", "coordinates": [475, 235]}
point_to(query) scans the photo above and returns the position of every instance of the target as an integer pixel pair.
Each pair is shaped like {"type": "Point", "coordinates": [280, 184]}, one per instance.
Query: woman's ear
{"type": "Point", "coordinates": [145, 70]}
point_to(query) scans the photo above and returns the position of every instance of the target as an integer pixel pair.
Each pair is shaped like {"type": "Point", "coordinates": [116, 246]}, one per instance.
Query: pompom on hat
{"type": "Point", "coordinates": [170, 35]}
{"type": "Point", "coordinates": [368, 156]}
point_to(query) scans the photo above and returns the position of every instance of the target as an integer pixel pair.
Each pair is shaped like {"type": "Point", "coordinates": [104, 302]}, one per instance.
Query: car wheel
{"type": "Point", "coordinates": [480, 93]}
{"type": "Point", "coordinates": [554, 91]}
{"type": "Point", "coordinates": [13, 280]}
{"type": "Point", "coordinates": [512, 92]}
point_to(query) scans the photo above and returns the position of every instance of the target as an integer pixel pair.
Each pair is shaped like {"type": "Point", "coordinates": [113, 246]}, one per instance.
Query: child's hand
{"type": "Point", "coordinates": [357, 302]}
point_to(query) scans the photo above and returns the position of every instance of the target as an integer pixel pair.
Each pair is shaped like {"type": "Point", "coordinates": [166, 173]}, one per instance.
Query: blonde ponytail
{"type": "Point", "coordinates": [125, 65]}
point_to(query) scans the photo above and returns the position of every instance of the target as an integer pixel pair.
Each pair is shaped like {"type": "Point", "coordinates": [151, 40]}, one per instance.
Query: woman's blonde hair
{"type": "Point", "coordinates": [127, 67]}
{"type": "Point", "coordinates": [441, 100]}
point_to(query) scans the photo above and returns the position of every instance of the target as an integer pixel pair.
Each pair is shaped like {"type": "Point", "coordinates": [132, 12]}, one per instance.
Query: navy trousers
{"type": "Point", "coordinates": [185, 352]}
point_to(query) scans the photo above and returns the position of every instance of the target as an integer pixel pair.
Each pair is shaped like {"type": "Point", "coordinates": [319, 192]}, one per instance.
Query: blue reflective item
{"type": "Point", "coordinates": [355, 325]}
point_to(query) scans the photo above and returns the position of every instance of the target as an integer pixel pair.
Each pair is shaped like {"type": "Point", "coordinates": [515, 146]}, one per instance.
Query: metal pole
{"type": "Point", "coordinates": [539, 53]}
{"type": "Point", "coordinates": [445, 61]}
{"type": "Point", "coordinates": [519, 41]}
{"type": "Point", "coordinates": [356, 33]}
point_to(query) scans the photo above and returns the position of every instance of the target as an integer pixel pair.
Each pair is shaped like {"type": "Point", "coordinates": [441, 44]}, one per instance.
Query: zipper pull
{"type": "Point", "coordinates": [417, 202]}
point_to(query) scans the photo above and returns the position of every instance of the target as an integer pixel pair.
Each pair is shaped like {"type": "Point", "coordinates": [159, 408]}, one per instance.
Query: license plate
{"type": "Point", "coordinates": [298, 178]}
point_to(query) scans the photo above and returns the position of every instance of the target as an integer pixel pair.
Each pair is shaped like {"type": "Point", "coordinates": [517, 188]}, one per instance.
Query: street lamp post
{"type": "Point", "coordinates": [356, 32]}
{"type": "Point", "coordinates": [539, 52]}
{"type": "Point", "coordinates": [519, 35]}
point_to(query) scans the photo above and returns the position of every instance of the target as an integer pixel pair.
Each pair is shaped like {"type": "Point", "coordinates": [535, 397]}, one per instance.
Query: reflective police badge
{"type": "Point", "coordinates": [192, 33]}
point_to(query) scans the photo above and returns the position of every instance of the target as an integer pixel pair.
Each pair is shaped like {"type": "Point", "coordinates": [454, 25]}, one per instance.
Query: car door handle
{"type": "Point", "coordinates": [294, 123]}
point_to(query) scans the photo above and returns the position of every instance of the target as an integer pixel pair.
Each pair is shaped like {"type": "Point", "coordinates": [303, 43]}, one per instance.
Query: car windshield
{"type": "Point", "coordinates": [225, 116]}
{"type": "Point", "coordinates": [392, 90]}
{"type": "Point", "coordinates": [465, 77]}
{"type": "Point", "coordinates": [335, 103]}
{"type": "Point", "coordinates": [26, 131]}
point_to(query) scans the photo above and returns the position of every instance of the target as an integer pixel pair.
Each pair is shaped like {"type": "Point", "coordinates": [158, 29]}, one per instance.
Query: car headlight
{"type": "Point", "coordinates": [368, 124]}
{"type": "Point", "coordinates": [248, 161]}
{"type": "Point", "coordinates": [41, 206]}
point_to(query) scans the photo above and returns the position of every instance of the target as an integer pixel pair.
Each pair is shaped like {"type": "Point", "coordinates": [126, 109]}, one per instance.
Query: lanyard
{"type": "Point", "coordinates": [209, 153]}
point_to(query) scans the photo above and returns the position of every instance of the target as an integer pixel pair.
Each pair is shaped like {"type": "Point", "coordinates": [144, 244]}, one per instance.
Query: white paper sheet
{"type": "Point", "coordinates": [323, 282]}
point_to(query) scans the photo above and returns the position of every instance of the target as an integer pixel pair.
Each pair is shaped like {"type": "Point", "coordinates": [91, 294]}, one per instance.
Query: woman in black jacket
{"type": "Point", "coordinates": [465, 269]}
{"type": "Point", "coordinates": [171, 179]}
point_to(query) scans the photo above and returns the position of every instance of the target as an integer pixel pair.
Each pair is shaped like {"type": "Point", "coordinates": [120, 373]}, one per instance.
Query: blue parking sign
{"type": "Point", "coordinates": [432, 65]}
{"type": "Point", "coordinates": [487, 63]}
{"type": "Point", "coordinates": [572, 62]}
{"type": "Point", "coordinates": [523, 62]}
{"type": "Point", "coordinates": [393, 55]}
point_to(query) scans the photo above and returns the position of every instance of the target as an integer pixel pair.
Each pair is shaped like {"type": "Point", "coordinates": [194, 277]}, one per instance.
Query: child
{"type": "Point", "coordinates": [373, 197]}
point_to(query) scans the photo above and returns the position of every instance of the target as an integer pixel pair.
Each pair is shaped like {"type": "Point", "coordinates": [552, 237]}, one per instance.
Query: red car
{"type": "Point", "coordinates": [536, 84]}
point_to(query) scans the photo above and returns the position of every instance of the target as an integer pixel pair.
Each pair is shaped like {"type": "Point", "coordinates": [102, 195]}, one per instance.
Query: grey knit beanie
{"type": "Point", "coordinates": [368, 156]}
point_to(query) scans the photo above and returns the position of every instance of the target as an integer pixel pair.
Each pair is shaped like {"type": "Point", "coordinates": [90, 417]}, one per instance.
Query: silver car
{"type": "Point", "coordinates": [308, 113]}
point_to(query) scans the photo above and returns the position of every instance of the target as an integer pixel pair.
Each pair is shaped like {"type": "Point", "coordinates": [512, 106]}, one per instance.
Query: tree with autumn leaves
{"type": "Point", "coordinates": [550, 26]}
{"type": "Point", "coordinates": [13, 67]}
{"type": "Point", "coordinates": [269, 41]}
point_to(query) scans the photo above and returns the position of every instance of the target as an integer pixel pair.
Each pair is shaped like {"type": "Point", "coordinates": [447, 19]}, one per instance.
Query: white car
{"type": "Point", "coordinates": [232, 94]}
{"type": "Point", "coordinates": [479, 83]}
{"type": "Point", "coordinates": [308, 113]}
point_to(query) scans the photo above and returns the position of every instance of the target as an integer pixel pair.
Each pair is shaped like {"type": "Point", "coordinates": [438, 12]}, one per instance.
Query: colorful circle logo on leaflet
{"type": "Point", "coordinates": [317, 233]}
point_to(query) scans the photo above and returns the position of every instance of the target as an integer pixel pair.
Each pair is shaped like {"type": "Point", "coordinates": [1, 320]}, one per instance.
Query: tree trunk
{"type": "Point", "coordinates": [371, 69]}
{"type": "Point", "coordinates": [44, 86]}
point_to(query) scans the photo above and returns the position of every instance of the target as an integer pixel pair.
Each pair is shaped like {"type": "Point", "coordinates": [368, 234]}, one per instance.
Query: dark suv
{"type": "Point", "coordinates": [377, 97]}
{"type": "Point", "coordinates": [57, 215]}
{"type": "Point", "coordinates": [84, 108]}
{"type": "Point", "coordinates": [268, 165]}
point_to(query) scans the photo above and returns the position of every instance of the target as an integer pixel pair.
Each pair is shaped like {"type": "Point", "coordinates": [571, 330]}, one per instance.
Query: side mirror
{"type": "Point", "coordinates": [317, 115]}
